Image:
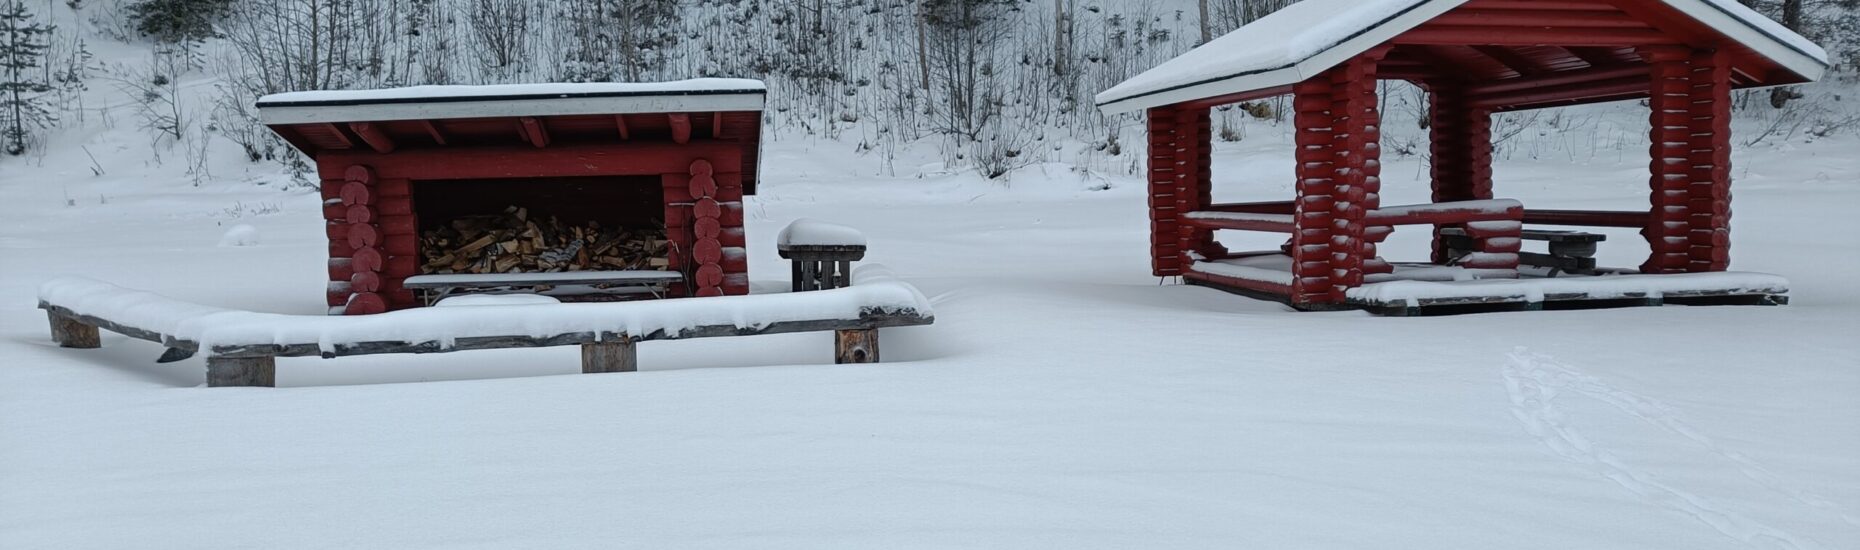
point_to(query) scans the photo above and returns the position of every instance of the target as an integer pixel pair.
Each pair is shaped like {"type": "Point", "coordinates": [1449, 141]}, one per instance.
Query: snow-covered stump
{"type": "Point", "coordinates": [821, 254]}
{"type": "Point", "coordinates": [615, 356]}
{"type": "Point", "coordinates": [72, 333]}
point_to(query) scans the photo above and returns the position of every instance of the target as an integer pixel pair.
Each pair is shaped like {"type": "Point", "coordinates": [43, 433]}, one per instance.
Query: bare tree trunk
{"type": "Point", "coordinates": [1791, 18]}
{"type": "Point", "coordinates": [1207, 31]}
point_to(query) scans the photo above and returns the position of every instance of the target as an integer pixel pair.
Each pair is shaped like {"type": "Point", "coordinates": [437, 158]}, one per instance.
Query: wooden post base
{"type": "Point", "coordinates": [242, 371]}
{"type": "Point", "coordinates": [617, 356]}
{"type": "Point", "coordinates": [855, 346]}
{"type": "Point", "coordinates": [72, 333]}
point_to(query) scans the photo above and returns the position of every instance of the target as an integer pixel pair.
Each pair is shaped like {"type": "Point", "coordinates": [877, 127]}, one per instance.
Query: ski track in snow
{"type": "Point", "coordinates": [1535, 381]}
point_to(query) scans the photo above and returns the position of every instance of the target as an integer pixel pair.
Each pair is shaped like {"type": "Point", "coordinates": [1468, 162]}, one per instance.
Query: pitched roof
{"type": "Point", "coordinates": [1311, 36]}
{"type": "Point", "coordinates": [550, 99]}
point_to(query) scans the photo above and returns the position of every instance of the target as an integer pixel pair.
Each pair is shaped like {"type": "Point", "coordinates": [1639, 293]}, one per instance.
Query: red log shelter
{"type": "Point", "coordinates": [1474, 58]}
{"type": "Point", "coordinates": [392, 162]}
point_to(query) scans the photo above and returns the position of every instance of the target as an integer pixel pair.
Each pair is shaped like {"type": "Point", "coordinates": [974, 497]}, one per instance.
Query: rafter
{"type": "Point", "coordinates": [681, 127]}
{"type": "Point", "coordinates": [620, 123]}
{"type": "Point", "coordinates": [433, 130]}
{"type": "Point", "coordinates": [373, 135]}
{"type": "Point", "coordinates": [534, 132]}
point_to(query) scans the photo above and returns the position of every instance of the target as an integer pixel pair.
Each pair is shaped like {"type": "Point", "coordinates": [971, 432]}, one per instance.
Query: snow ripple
{"type": "Point", "coordinates": [1535, 381]}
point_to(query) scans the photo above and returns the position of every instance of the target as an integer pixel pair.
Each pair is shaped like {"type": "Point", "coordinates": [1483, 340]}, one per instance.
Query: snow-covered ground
{"type": "Point", "coordinates": [1063, 399]}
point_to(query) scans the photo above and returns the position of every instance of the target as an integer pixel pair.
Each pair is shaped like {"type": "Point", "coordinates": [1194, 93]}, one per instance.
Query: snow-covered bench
{"type": "Point", "coordinates": [433, 288]}
{"type": "Point", "coordinates": [241, 346]}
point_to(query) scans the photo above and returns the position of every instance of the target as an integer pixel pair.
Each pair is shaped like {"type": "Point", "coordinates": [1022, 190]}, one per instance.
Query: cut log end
{"type": "Point", "coordinates": [242, 371]}
{"type": "Point", "coordinates": [72, 333]}
{"type": "Point", "coordinates": [855, 346]}
{"type": "Point", "coordinates": [617, 356]}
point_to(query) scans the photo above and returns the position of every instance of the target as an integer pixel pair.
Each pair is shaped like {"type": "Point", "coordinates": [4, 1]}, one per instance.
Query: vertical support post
{"type": "Point", "coordinates": [72, 333]}
{"type": "Point", "coordinates": [1352, 101]}
{"type": "Point", "coordinates": [242, 371]}
{"type": "Point", "coordinates": [1460, 137]}
{"type": "Point", "coordinates": [1165, 241]}
{"type": "Point", "coordinates": [1193, 175]}
{"type": "Point", "coordinates": [1313, 211]}
{"type": "Point", "coordinates": [621, 355]}
{"type": "Point", "coordinates": [1670, 166]}
{"type": "Point", "coordinates": [1371, 129]}
{"type": "Point", "coordinates": [855, 346]}
{"type": "Point", "coordinates": [1709, 191]}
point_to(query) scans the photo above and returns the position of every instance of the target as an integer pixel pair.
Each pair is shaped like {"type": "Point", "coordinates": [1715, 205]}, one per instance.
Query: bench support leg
{"type": "Point", "coordinates": [618, 356]}
{"type": "Point", "coordinates": [242, 371]}
{"type": "Point", "coordinates": [72, 333]}
{"type": "Point", "coordinates": [855, 346]}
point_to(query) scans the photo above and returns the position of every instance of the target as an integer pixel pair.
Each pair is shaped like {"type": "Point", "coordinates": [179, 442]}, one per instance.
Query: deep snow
{"type": "Point", "coordinates": [1063, 399]}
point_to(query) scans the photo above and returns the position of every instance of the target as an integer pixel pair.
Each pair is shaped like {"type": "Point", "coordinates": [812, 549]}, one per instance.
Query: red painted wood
{"type": "Point", "coordinates": [356, 193]}
{"type": "Point", "coordinates": [359, 214]}
{"type": "Point", "coordinates": [1165, 259]}
{"type": "Point", "coordinates": [703, 186]}
{"type": "Point", "coordinates": [339, 269]}
{"type": "Point", "coordinates": [393, 188]}
{"type": "Point", "coordinates": [401, 245]}
{"type": "Point", "coordinates": [399, 225]}
{"type": "Point", "coordinates": [707, 208]}
{"type": "Point", "coordinates": [533, 131]}
{"type": "Point", "coordinates": [1242, 225]}
{"type": "Point", "coordinates": [367, 259]}
{"type": "Point", "coordinates": [372, 135]}
{"type": "Point", "coordinates": [364, 235]}
{"type": "Point", "coordinates": [1709, 185]}
{"type": "Point", "coordinates": [635, 159]}
{"type": "Point", "coordinates": [707, 228]}
{"type": "Point", "coordinates": [681, 127]}
{"type": "Point", "coordinates": [709, 275]}
{"type": "Point", "coordinates": [1446, 216]}
{"type": "Point", "coordinates": [1669, 103]}
{"type": "Point", "coordinates": [365, 282]}
{"type": "Point", "coordinates": [337, 293]}
{"type": "Point", "coordinates": [707, 251]}
{"type": "Point", "coordinates": [1450, 35]}
{"type": "Point", "coordinates": [1316, 157]}
{"type": "Point", "coordinates": [365, 303]}
{"type": "Point", "coordinates": [1585, 218]}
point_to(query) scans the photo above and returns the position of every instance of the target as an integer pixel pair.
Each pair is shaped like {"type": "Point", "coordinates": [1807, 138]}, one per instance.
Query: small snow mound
{"type": "Point", "coordinates": [497, 300]}
{"type": "Point", "coordinates": [240, 235]}
{"type": "Point", "coordinates": [812, 232]}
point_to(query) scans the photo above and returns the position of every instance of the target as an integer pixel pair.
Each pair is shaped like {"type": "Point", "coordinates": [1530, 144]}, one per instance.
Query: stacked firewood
{"type": "Point", "coordinates": [514, 242]}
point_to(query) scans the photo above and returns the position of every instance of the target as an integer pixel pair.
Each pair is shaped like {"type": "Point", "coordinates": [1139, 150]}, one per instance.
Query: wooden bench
{"type": "Point", "coordinates": [433, 288]}
{"type": "Point", "coordinates": [601, 329]}
{"type": "Point", "coordinates": [1570, 251]}
{"type": "Point", "coordinates": [821, 253]}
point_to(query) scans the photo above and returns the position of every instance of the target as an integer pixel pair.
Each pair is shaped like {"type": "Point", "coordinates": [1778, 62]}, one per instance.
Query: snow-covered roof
{"type": "Point", "coordinates": [1311, 36]}
{"type": "Point", "coordinates": [504, 100]}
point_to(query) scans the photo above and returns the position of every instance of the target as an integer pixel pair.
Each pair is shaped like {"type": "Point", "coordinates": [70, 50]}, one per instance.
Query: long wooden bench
{"type": "Point", "coordinates": [241, 347]}
{"type": "Point", "coordinates": [433, 288]}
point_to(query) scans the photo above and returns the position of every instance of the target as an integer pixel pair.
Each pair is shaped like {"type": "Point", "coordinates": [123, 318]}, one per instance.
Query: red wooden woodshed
{"type": "Point", "coordinates": [681, 154]}
{"type": "Point", "coordinates": [1474, 58]}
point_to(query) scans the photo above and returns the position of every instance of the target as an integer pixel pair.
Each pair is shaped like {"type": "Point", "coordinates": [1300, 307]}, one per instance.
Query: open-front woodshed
{"type": "Point", "coordinates": [643, 182]}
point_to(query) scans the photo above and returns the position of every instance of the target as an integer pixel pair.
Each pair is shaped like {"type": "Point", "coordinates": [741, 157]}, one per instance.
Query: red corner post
{"type": "Point", "coordinates": [1709, 192]}
{"type": "Point", "coordinates": [1316, 205]}
{"type": "Point", "coordinates": [1460, 145]}
{"type": "Point", "coordinates": [1670, 98]}
{"type": "Point", "coordinates": [1165, 247]}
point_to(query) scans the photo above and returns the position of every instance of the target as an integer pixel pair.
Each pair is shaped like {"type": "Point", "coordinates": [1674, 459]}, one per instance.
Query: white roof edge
{"type": "Point", "coordinates": [1764, 42]}
{"type": "Point", "coordinates": [370, 112]}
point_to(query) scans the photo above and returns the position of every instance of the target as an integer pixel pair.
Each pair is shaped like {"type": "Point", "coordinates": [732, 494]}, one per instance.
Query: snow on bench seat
{"type": "Point", "coordinates": [876, 300]}
{"type": "Point", "coordinates": [449, 280]}
{"type": "Point", "coordinates": [1410, 293]}
{"type": "Point", "coordinates": [812, 232]}
{"type": "Point", "coordinates": [1279, 223]}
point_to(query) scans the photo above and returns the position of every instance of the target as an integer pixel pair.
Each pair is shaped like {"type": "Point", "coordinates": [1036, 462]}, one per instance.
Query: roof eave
{"type": "Point", "coordinates": [492, 107]}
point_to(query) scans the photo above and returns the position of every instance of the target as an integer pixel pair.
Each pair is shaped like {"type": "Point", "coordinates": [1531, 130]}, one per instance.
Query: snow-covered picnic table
{"type": "Point", "coordinates": [241, 345]}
